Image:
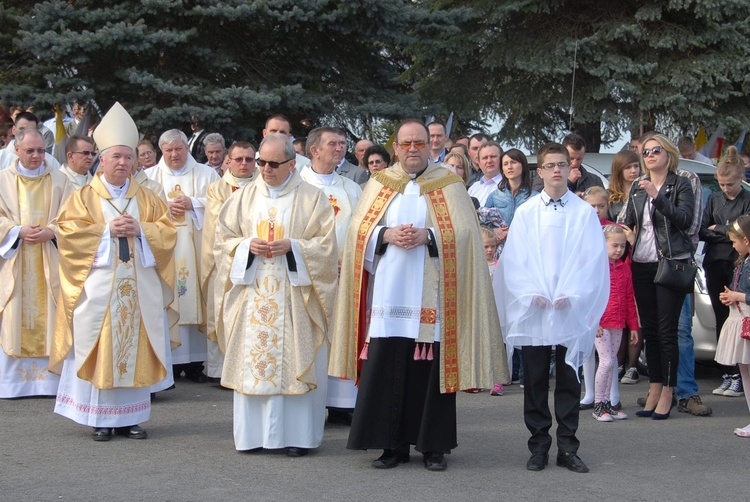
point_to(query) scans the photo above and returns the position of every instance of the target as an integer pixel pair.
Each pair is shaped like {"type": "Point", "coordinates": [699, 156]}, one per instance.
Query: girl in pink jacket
{"type": "Point", "coordinates": [620, 312]}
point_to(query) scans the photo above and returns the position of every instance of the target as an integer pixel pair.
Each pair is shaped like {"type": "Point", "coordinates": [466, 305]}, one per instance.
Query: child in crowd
{"type": "Point", "coordinates": [599, 200]}
{"type": "Point", "coordinates": [620, 312]}
{"type": "Point", "coordinates": [732, 347]}
{"type": "Point", "coordinates": [490, 247]}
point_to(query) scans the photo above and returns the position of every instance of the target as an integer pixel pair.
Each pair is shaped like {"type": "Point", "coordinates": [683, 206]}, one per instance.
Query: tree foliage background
{"type": "Point", "coordinates": [364, 64]}
{"type": "Point", "coordinates": [668, 64]}
{"type": "Point", "coordinates": [230, 62]}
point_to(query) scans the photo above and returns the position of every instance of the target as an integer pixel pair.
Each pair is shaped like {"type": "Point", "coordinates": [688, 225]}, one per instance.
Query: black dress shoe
{"type": "Point", "coordinates": [294, 451]}
{"type": "Point", "coordinates": [101, 434]}
{"type": "Point", "coordinates": [571, 462]}
{"type": "Point", "coordinates": [132, 432]}
{"type": "Point", "coordinates": [391, 458]}
{"type": "Point", "coordinates": [435, 461]}
{"type": "Point", "coordinates": [197, 377]}
{"type": "Point", "coordinates": [538, 461]}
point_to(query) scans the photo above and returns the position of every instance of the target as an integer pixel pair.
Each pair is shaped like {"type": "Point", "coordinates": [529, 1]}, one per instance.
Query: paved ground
{"type": "Point", "coordinates": [190, 456]}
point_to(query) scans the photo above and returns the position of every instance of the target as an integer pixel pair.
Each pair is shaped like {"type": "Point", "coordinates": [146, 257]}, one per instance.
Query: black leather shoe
{"type": "Point", "coordinates": [435, 461]}
{"type": "Point", "coordinates": [538, 461]}
{"type": "Point", "coordinates": [197, 377]}
{"type": "Point", "coordinates": [132, 432]}
{"type": "Point", "coordinates": [294, 451]}
{"type": "Point", "coordinates": [101, 434]}
{"type": "Point", "coordinates": [390, 459]}
{"type": "Point", "coordinates": [571, 462]}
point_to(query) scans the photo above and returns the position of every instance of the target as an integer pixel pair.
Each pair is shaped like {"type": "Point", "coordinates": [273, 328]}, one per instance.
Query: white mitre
{"type": "Point", "coordinates": [117, 128]}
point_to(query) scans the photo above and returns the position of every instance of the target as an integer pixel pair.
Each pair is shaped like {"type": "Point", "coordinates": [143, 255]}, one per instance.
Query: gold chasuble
{"type": "Point", "coordinates": [216, 194]}
{"type": "Point", "coordinates": [29, 279]}
{"type": "Point", "coordinates": [472, 352]}
{"type": "Point", "coordinates": [270, 328]}
{"type": "Point", "coordinates": [114, 309]}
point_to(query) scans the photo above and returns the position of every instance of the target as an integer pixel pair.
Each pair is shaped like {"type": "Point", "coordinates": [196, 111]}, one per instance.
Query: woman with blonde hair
{"type": "Point", "coordinates": [626, 167]}
{"type": "Point", "coordinates": [660, 211]}
{"type": "Point", "coordinates": [460, 165]}
{"type": "Point", "coordinates": [723, 207]}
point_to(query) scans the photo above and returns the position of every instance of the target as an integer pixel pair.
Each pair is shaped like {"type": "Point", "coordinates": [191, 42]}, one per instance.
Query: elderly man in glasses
{"type": "Point", "coordinates": [185, 182]}
{"type": "Point", "coordinates": [31, 193]}
{"type": "Point", "coordinates": [412, 308]}
{"type": "Point", "coordinates": [80, 153]}
{"type": "Point", "coordinates": [276, 277]}
{"type": "Point", "coordinates": [240, 173]}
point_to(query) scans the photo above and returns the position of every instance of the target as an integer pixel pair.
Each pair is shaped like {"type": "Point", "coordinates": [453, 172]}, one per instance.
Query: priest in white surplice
{"type": "Point", "coordinates": [185, 182]}
{"type": "Point", "coordinates": [327, 147]}
{"type": "Point", "coordinates": [79, 155]}
{"type": "Point", "coordinates": [241, 172]}
{"type": "Point", "coordinates": [117, 274]}
{"type": "Point", "coordinates": [31, 193]}
{"type": "Point", "coordinates": [276, 260]}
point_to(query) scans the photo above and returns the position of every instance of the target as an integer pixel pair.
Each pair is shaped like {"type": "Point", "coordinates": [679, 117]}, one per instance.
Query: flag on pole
{"type": "Point", "coordinates": [701, 139]}
{"type": "Point", "coordinates": [449, 125]}
{"type": "Point", "coordinates": [713, 148]}
{"type": "Point", "coordinates": [60, 136]}
{"type": "Point", "coordinates": [741, 140]}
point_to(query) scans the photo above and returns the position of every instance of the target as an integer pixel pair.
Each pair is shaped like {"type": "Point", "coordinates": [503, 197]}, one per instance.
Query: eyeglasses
{"type": "Point", "coordinates": [272, 165]}
{"type": "Point", "coordinates": [32, 151]}
{"type": "Point", "coordinates": [552, 165]}
{"type": "Point", "coordinates": [648, 151]}
{"type": "Point", "coordinates": [146, 154]}
{"type": "Point", "coordinates": [250, 160]}
{"type": "Point", "coordinates": [375, 162]}
{"type": "Point", "coordinates": [86, 153]}
{"type": "Point", "coordinates": [419, 145]}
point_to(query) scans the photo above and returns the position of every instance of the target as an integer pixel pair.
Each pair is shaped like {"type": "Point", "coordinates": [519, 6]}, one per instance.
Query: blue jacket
{"type": "Point", "coordinates": [506, 203]}
{"type": "Point", "coordinates": [741, 281]}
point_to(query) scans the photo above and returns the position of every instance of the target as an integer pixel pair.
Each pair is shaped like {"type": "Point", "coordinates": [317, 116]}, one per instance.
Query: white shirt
{"type": "Point", "coordinates": [483, 187]}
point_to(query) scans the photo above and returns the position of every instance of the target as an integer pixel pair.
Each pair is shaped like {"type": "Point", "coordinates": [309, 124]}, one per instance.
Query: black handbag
{"type": "Point", "coordinates": [674, 274]}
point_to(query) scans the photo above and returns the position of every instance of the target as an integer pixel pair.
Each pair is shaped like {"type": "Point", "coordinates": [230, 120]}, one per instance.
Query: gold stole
{"type": "Point", "coordinates": [34, 202]}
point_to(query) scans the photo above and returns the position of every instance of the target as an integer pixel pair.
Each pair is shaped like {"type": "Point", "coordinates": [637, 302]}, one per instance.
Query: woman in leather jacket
{"type": "Point", "coordinates": [659, 210]}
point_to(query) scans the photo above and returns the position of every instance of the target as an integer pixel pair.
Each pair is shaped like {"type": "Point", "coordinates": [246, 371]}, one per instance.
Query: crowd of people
{"type": "Point", "coordinates": [367, 292]}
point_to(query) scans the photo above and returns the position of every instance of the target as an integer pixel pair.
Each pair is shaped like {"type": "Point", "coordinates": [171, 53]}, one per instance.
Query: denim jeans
{"type": "Point", "coordinates": [686, 384]}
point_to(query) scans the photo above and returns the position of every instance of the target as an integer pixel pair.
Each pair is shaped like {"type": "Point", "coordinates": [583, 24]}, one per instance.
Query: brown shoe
{"type": "Point", "coordinates": [694, 406]}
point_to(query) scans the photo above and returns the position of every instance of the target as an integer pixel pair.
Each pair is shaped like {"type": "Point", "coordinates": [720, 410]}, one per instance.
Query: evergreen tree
{"type": "Point", "coordinates": [670, 64]}
{"type": "Point", "coordinates": [230, 62]}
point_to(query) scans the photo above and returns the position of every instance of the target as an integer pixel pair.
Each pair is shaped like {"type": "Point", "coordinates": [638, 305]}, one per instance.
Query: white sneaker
{"type": "Point", "coordinates": [616, 415]}
{"type": "Point", "coordinates": [601, 413]}
{"type": "Point", "coordinates": [725, 383]}
{"type": "Point", "coordinates": [630, 377]}
{"type": "Point", "coordinates": [735, 388]}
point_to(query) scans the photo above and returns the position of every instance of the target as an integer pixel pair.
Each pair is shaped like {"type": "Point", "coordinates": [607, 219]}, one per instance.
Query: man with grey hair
{"type": "Point", "coordinates": [31, 193]}
{"type": "Point", "coordinates": [276, 279]}
{"type": "Point", "coordinates": [214, 149]}
{"type": "Point", "coordinates": [185, 182]}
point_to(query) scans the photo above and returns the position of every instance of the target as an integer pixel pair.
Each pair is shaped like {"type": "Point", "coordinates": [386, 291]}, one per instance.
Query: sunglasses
{"type": "Point", "coordinates": [272, 165]}
{"type": "Point", "coordinates": [250, 160]}
{"type": "Point", "coordinates": [646, 152]}
{"type": "Point", "coordinates": [87, 153]}
{"type": "Point", "coordinates": [419, 145]}
{"type": "Point", "coordinates": [32, 151]}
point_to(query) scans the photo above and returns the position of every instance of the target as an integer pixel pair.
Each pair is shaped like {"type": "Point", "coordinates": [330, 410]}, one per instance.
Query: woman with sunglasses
{"type": "Point", "coordinates": [659, 210]}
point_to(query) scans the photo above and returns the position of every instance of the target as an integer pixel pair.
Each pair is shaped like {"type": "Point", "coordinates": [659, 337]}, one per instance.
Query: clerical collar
{"type": "Point", "coordinates": [554, 203]}
{"type": "Point", "coordinates": [274, 192]}
{"type": "Point", "coordinates": [417, 175]}
{"type": "Point", "coordinates": [180, 171]}
{"type": "Point", "coordinates": [242, 181]}
{"type": "Point", "coordinates": [115, 191]}
{"type": "Point", "coordinates": [82, 177]}
{"type": "Point", "coordinates": [325, 179]}
{"type": "Point", "coordinates": [30, 173]}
